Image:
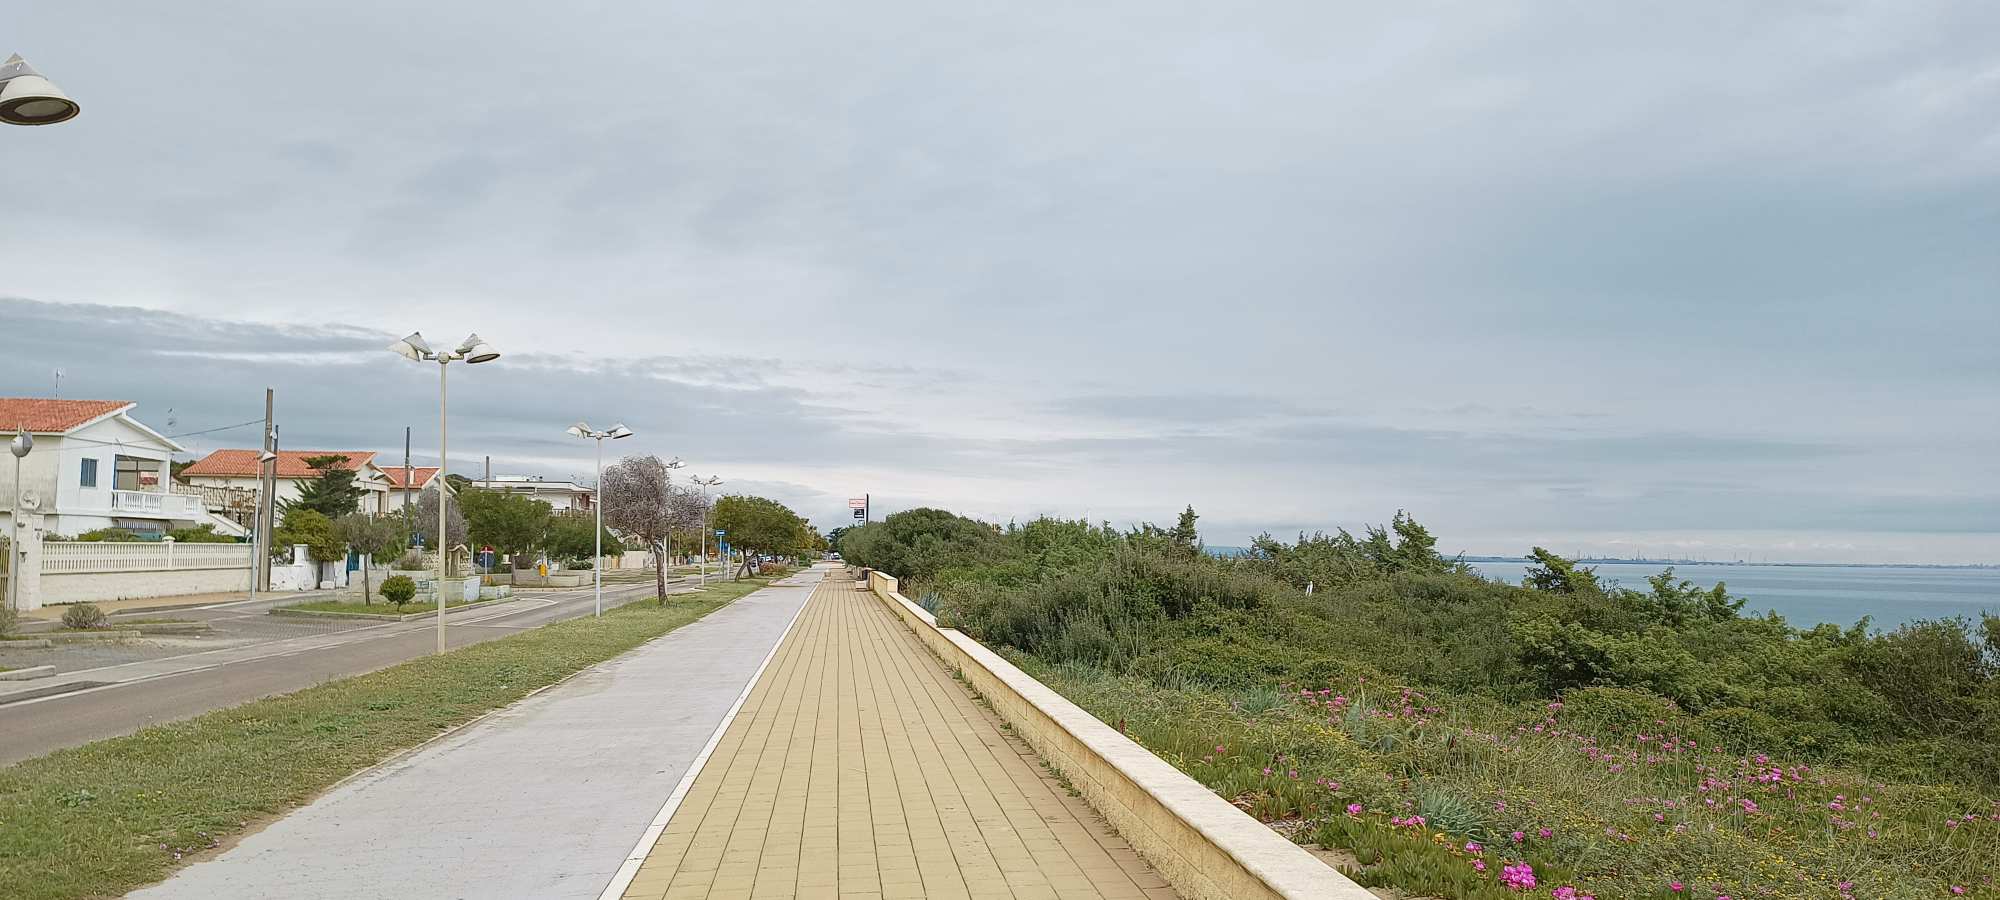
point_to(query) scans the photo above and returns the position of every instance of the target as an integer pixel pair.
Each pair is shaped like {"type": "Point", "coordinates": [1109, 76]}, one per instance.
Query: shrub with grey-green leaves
{"type": "Point", "coordinates": [83, 615]}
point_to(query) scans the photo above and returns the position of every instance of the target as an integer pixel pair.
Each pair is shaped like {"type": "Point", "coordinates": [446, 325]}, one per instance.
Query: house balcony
{"type": "Point", "coordinates": [156, 505]}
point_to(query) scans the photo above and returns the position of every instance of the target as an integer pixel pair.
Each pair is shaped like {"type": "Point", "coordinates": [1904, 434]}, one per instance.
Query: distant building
{"type": "Point", "coordinates": [562, 496]}
{"type": "Point", "coordinates": [240, 469]}
{"type": "Point", "coordinates": [410, 491]}
{"type": "Point", "coordinates": [95, 466]}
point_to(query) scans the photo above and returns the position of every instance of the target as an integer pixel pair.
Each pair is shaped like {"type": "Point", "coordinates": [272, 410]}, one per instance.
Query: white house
{"type": "Point", "coordinates": [94, 466]}
{"type": "Point", "coordinates": [240, 469]}
{"type": "Point", "coordinates": [562, 496]}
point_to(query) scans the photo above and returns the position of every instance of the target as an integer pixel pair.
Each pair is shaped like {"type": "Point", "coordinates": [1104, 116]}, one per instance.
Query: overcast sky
{"type": "Point", "coordinates": [1705, 279]}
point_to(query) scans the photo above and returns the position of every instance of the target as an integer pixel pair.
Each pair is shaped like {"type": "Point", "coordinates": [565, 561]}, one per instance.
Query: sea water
{"type": "Point", "coordinates": [1809, 595]}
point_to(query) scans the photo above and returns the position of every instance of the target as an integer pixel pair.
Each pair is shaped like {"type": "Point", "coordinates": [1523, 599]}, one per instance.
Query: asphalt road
{"type": "Point", "coordinates": [166, 690]}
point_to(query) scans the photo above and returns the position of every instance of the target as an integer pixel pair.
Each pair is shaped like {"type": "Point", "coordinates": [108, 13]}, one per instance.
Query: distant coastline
{"type": "Point", "coordinates": [1594, 560]}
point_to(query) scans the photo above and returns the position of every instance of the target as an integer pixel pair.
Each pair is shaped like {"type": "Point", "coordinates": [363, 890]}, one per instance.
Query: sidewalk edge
{"type": "Point", "coordinates": [629, 869]}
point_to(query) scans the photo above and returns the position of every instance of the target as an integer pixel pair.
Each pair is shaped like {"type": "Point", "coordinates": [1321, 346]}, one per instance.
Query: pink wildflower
{"type": "Point", "coordinates": [1518, 876]}
{"type": "Point", "coordinates": [1354, 809]}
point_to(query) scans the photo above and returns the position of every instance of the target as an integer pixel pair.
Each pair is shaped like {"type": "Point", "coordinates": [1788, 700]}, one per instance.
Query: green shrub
{"type": "Point", "coordinates": [83, 615]}
{"type": "Point", "coordinates": [8, 618]}
{"type": "Point", "coordinates": [411, 561]}
{"type": "Point", "coordinates": [110, 535]}
{"type": "Point", "coordinates": [398, 590]}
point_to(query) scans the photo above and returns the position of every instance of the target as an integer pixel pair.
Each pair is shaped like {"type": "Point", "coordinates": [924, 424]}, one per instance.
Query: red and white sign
{"type": "Point", "coordinates": [857, 503]}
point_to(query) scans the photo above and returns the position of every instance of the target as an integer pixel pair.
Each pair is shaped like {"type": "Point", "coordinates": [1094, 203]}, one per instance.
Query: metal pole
{"type": "Point", "coordinates": [442, 543]}
{"type": "Point", "coordinates": [267, 490]}
{"type": "Point", "coordinates": [597, 566]}
{"type": "Point", "coordinates": [14, 554]}
{"type": "Point", "coordinates": [256, 541]}
{"type": "Point", "coordinates": [704, 534]}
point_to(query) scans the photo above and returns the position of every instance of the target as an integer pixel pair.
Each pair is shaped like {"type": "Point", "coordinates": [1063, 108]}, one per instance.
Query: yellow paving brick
{"type": "Point", "coordinates": [859, 769]}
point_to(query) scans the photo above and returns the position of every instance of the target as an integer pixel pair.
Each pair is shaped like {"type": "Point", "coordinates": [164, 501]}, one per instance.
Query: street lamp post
{"type": "Point", "coordinates": [472, 351]}
{"type": "Point", "coordinates": [20, 445]}
{"type": "Point", "coordinates": [583, 430]}
{"type": "Point", "coordinates": [26, 98]}
{"type": "Point", "coordinates": [706, 483]}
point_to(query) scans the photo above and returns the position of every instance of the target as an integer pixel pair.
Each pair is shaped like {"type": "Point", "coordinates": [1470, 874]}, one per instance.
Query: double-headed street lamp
{"type": "Point", "coordinates": [471, 351]}
{"type": "Point", "coordinates": [705, 483]}
{"type": "Point", "coordinates": [26, 98]}
{"type": "Point", "coordinates": [583, 430]}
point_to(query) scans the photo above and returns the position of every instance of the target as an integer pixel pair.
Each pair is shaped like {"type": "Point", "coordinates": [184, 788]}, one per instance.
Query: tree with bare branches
{"type": "Point", "coordinates": [637, 494]}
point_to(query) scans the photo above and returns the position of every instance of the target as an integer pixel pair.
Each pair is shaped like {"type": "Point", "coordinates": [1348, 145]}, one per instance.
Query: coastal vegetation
{"type": "Point", "coordinates": [1452, 736]}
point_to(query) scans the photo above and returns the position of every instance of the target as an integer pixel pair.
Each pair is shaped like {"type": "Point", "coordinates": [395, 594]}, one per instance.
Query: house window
{"type": "Point", "coordinates": [89, 476]}
{"type": "Point", "coordinates": [132, 472]}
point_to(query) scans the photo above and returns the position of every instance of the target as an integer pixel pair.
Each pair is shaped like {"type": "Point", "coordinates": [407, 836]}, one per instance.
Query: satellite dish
{"type": "Point", "coordinates": [31, 501]}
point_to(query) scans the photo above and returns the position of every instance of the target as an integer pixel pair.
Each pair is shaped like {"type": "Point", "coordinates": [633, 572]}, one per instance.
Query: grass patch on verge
{"type": "Point", "coordinates": [110, 816]}
{"type": "Point", "coordinates": [377, 608]}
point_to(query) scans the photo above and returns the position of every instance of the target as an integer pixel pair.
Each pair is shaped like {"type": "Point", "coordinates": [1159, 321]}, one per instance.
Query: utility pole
{"type": "Point", "coordinates": [268, 484]}
{"type": "Point", "coordinates": [489, 472]}
{"type": "Point", "coordinates": [408, 473]}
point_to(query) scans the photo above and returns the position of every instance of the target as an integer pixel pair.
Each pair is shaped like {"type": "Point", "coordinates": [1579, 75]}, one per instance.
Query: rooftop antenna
{"type": "Point", "coordinates": [58, 384]}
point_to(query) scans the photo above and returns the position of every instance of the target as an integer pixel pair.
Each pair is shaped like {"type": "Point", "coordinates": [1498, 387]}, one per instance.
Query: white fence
{"type": "Point", "coordinates": [77, 557]}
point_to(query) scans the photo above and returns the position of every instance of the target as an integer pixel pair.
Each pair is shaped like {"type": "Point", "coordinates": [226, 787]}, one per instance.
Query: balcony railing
{"type": "Point", "coordinates": [156, 503]}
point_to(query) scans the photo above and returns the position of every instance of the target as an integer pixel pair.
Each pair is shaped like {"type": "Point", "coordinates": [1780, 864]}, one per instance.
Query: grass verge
{"type": "Point", "coordinates": [107, 817]}
{"type": "Point", "coordinates": [377, 608]}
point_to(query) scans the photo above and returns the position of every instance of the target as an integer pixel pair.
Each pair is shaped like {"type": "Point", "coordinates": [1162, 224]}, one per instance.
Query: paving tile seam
{"type": "Point", "coordinates": [932, 676]}
{"type": "Point", "coordinates": [858, 766]}
{"type": "Point", "coordinates": [700, 800]}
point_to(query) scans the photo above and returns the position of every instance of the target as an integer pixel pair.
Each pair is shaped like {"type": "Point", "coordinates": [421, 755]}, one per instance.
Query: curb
{"type": "Point", "coordinates": [28, 674]}
{"type": "Point", "coordinates": [85, 637]}
{"type": "Point", "coordinates": [29, 644]}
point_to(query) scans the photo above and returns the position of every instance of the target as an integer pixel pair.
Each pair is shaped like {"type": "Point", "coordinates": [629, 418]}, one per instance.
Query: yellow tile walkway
{"type": "Point", "coordinates": [858, 768]}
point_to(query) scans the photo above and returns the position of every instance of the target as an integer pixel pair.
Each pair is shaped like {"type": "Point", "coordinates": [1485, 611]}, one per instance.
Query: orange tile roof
{"type": "Point", "coordinates": [53, 416]}
{"type": "Point", "coordinates": [419, 475]}
{"type": "Point", "coordinates": [291, 463]}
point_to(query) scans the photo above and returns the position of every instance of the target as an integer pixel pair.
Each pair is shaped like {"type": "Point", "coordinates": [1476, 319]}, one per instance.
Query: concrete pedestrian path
{"type": "Point", "coordinates": [540, 800]}
{"type": "Point", "coordinates": [858, 768]}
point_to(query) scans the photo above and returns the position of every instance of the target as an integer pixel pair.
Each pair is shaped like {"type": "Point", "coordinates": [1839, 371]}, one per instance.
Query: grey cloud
{"type": "Point", "coordinates": [1526, 265]}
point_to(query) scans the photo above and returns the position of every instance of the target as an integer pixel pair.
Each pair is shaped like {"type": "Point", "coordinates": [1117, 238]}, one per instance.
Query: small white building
{"type": "Point", "coordinates": [561, 496]}
{"type": "Point", "coordinates": [95, 466]}
{"type": "Point", "coordinates": [240, 469]}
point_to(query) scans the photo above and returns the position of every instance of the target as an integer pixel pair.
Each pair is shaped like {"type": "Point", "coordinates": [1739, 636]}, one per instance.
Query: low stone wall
{"type": "Point", "coordinates": [1206, 848]}
{"type": "Point", "coordinates": [97, 587]}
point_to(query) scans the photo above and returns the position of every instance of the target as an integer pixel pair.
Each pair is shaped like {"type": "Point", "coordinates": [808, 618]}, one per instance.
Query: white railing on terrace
{"type": "Point", "coordinates": [156, 503]}
{"type": "Point", "coordinates": [71, 557]}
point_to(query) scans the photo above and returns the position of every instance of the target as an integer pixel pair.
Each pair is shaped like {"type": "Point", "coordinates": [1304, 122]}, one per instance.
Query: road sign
{"type": "Point", "coordinates": [857, 503]}
{"type": "Point", "coordinates": [719, 532]}
{"type": "Point", "coordinates": [860, 512]}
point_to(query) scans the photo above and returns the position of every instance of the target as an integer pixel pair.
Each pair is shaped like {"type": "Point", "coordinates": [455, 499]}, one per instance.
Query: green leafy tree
{"type": "Point", "coordinates": [512, 524]}
{"type": "Point", "coordinates": [398, 590]}
{"type": "Point", "coordinates": [917, 544]}
{"type": "Point", "coordinates": [760, 525]}
{"type": "Point", "coordinates": [1557, 575]}
{"type": "Point", "coordinates": [1679, 602]}
{"type": "Point", "coordinates": [315, 531]}
{"type": "Point", "coordinates": [570, 538]}
{"type": "Point", "coordinates": [331, 492]}
{"type": "Point", "coordinates": [1184, 536]}
{"type": "Point", "coordinates": [377, 538]}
